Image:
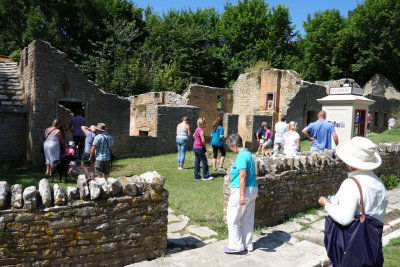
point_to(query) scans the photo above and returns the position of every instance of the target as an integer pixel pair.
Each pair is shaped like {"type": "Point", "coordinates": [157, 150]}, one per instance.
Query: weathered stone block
{"type": "Point", "coordinates": [83, 187]}
{"type": "Point", "coordinates": [95, 189]}
{"type": "Point", "coordinates": [114, 186]}
{"type": "Point", "coordinates": [154, 180]}
{"type": "Point", "coordinates": [5, 193]}
{"type": "Point", "coordinates": [73, 193]}
{"type": "Point", "coordinates": [128, 186]}
{"type": "Point", "coordinates": [16, 196]}
{"type": "Point", "coordinates": [59, 195]}
{"type": "Point", "coordinates": [45, 192]}
{"type": "Point", "coordinates": [30, 198]}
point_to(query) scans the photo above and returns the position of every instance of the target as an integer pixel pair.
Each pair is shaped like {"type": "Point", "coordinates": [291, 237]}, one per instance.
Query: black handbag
{"type": "Point", "coordinates": [357, 244]}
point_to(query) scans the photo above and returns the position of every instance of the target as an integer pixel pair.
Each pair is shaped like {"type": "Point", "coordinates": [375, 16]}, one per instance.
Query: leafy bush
{"type": "Point", "coordinates": [15, 55]}
{"type": "Point", "coordinates": [391, 181]}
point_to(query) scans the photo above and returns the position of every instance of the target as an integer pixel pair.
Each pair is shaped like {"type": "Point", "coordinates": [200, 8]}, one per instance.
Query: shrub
{"type": "Point", "coordinates": [15, 55]}
{"type": "Point", "coordinates": [391, 181]}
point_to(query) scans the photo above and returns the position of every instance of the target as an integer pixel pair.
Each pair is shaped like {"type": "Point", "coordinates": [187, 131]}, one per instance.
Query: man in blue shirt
{"type": "Point", "coordinates": [320, 132]}
{"type": "Point", "coordinates": [102, 146]}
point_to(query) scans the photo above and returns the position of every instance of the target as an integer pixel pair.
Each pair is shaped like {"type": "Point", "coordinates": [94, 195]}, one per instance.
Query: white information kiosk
{"type": "Point", "coordinates": [347, 109]}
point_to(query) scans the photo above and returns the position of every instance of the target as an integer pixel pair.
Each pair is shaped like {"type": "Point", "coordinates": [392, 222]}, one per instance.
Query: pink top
{"type": "Point", "coordinates": [268, 134]}
{"type": "Point", "coordinates": [69, 151]}
{"type": "Point", "coordinates": [369, 118]}
{"type": "Point", "coordinates": [197, 139]}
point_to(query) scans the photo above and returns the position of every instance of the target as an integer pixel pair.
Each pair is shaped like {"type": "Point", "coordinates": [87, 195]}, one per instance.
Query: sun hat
{"type": "Point", "coordinates": [101, 127]}
{"type": "Point", "coordinates": [359, 153]}
{"type": "Point", "coordinates": [71, 143]}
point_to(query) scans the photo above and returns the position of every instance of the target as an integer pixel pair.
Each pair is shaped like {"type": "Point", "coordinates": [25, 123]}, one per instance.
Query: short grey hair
{"type": "Point", "coordinates": [264, 124]}
{"type": "Point", "coordinates": [234, 139]}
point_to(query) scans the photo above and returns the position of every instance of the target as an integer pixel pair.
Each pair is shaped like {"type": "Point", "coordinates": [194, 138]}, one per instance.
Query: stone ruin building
{"type": "Point", "coordinates": [46, 85]}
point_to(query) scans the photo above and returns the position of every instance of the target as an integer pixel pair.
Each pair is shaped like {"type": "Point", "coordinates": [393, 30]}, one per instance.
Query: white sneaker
{"type": "Point", "coordinates": [221, 169]}
{"type": "Point", "coordinates": [208, 179]}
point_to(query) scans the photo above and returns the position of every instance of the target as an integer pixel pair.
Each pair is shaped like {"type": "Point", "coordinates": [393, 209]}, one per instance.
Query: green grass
{"type": "Point", "coordinates": [305, 145]}
{"type": "Point", "coordinates": [391, 253]}
{"type": "Point", "coordinates": [392, 135]}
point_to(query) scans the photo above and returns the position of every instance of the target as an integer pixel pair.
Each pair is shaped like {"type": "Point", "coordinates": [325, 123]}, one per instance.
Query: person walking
{"type": "Point", "coordinates": [291, 140]}
{"type": "Point", "coordinates": [78, 136]}
{"type": "Point", "coordinates": [182, 139]}
{"type": "Point", "coordinates": [351, 201]}
{"type": "Point", "coordinates": [391, 123]}
{"type": "Point", "coordinates": [53, 144]}
{"type": "Point", "coordinates": [89, 138]}
{"type": "Point", "coordinates": [199, 149]}
{"type": "Point", "coordinates": [217, 133]}
{"type": "Point", "coordinates": [260, 134]}
{"type": "Point", "coordinates": [242, 200]}
{"type": "Point", "coordinates": [280, 130]}
{"type": "Point", "coordinates": [102, 147]}
{"type": "Point", "coordinates": [320, 132]}
{"type": "Point", "coordinates": [267, 142]}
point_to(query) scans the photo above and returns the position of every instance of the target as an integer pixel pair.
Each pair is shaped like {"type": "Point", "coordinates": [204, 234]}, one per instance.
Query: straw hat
{"type": "Point", "coordinates": [101, 127]}
{"type": "Point", "coordinates": [359, 153]}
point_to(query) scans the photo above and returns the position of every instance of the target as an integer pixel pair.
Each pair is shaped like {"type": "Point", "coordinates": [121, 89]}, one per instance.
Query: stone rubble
{"type": "Point", "coordinates": [16, 196]}
{"type": "Point", "coordinates": [30, 198]}
{"type": "Point", "coordinates": [45, 192]}
{"type": "Point", "coordinates": [59, 195]}
{"type": "Point", "coordinates": [4, 194]}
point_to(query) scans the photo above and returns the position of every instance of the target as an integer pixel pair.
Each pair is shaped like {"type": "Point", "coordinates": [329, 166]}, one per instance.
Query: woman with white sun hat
{"type": "Point", "coordinates": [345, 208]}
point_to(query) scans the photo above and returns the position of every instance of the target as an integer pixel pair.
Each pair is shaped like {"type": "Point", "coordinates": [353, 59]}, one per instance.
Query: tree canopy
{"type": "Point", "coordinates": [128, 50]}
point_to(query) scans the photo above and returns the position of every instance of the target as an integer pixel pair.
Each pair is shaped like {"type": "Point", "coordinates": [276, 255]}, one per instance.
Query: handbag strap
{"type": "Point", "coordinates": [362, 217]}
{"type": "Point", "coordinates": [47, 135]}
{"type": "Point", "coordinates": [106, 142]}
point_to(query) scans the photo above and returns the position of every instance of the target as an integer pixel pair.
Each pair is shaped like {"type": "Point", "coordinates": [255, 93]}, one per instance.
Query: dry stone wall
{"type": "Point", "coordinates": [288, 185]}
{"type": "Point", "coordinates": [111, 222]}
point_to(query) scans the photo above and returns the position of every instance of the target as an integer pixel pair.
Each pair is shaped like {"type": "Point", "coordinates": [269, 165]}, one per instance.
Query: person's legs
{"type": "Point", "coordinates": [196, 163]}
{"type": "Point", "coordinates": [269, 151]}
{"type": "Point", "coordinates": [92, 172]}
{"type": "Point", "coordinates": [215, 155]}
{"type": "Point", "coordinates": [223, 153]}
{"type": "Point", "coordinates": [248, 217]}
{"type": "Point", "coordinates": [277, 148]}
{"type": "Point", "coordinates": [180, 149]}
{"type": "Point", "coordinates": [99, 168]}
{"type": "Point", "coordinates": [203, 159]}
{"type": "Point", "coordinates": [106, 168]}
{"type": "Point", "coordinates": [85, 170]}
{"type": "Point", "coordinates": [48, 169]}
{"type": "Point", "coordinates": [233, 217]}
{"type": "Point", "coordinates": [184, 148]}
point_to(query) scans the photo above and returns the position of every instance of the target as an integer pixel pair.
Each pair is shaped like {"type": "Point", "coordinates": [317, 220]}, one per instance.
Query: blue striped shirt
{"type": "Point", "coordinates": [102, 150]}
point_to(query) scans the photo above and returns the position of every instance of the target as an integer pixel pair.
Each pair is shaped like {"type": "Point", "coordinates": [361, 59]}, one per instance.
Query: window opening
{"type": "Point", "coordinates": [269, 101]}
{"type": "Point", "coordinates": [219, 102]}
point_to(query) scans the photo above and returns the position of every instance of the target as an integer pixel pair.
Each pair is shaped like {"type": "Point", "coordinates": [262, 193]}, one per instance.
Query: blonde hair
{"type": "Point", "coordinates": [56, 123]}
{"type": "Point", "coordinates": [201, 122]}
{"type": "Point", "coordinates": [292, 127]}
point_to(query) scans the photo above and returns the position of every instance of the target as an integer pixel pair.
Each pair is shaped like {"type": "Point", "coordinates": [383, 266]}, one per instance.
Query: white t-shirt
{"type": "Point", "coordinates": [290, 139]}
{"type": "Point", "coordinates": [345, 205]}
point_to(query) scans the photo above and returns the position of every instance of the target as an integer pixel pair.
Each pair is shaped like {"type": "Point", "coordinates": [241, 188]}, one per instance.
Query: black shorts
{"type": "Point", "coordinates": [215, 151]}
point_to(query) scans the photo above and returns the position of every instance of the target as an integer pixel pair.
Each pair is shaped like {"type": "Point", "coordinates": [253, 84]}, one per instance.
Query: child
{"type": "Point", "coordinates": [70, 151]}
{"type": "Point", "coordinates": [260, 134]}
{"type": "Point", "coordinates": [267, 141]}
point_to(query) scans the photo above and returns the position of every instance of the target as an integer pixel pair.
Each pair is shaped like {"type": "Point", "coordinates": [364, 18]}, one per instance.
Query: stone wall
{"type": "Point", "coordinates": [13, 134]}
{"type": "Point", "coordinates": [205, 97]}
{"type": "Point", "coordinates": [48, 77]}
{"type": "Point", "coordinates": [288, 185]}
{"type": "Point", "coordinates": [143, 111]}
{"type": "Point", "coordinates": [230, 124]}
{"type": "Point", "coordinates": [106, 223]}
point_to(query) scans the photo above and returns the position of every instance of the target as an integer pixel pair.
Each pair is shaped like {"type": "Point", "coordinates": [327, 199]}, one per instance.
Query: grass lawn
{"type": "Point", "coordinates": [392, 135]}
{"type": "Point", "coordinates": [391, 253]}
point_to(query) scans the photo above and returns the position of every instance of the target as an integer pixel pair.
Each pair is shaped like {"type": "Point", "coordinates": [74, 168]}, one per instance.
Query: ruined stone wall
{"type": "Point", "coordinates": [205, 97]}
{"type": "Point", "coordinates": [143, 113]}
{"type": "Point", "coordinates": [230, 124]}
{"type": "Point", "coordinates": [12, 135]}
{"type": "Point", "coordinates": [290, 185]}
{"type": "Point", "coordinates": [106, 223]}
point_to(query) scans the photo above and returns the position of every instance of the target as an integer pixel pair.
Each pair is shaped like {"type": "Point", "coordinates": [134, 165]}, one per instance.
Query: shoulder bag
{"type": "Point", "coordinates": [357, 244]}
{"type": "Point", "coordinates": [112, 155]}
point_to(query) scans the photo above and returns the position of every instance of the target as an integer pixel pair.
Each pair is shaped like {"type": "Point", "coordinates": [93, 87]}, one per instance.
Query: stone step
{"type": "Point", "coordinates": [12, 103]}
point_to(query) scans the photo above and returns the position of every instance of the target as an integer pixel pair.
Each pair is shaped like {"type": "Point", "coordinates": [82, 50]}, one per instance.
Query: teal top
{"type": "Point", "coordinates": [244, 161]}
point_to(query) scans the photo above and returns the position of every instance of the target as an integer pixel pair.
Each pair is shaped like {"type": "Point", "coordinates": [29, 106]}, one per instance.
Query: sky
{"type": "Point", "coordinates": [299, 9]}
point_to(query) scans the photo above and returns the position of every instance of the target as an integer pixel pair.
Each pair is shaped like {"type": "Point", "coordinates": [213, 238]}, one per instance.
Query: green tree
{"type": "Point", "coordinates": [250, 31]}
{"type": "Point", "coordinates": [370, 41]}
{"type": "Point", "coordinates": [322, 35]}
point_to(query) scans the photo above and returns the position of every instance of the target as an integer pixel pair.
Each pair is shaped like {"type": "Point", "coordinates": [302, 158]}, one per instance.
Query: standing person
{"type": "Point", "coordinates": [369, 120]}
{"type": "Point", "coordinates": [320, 132]}
{"type": "Point", "coordinates": [89, 138]}
{"type": "Point", "coordinates": [267, 142]}
{"type": "Point", "coordinates": [70, 151]}
{"type": "Point", "coordinates": [77, 121]}
{"type": "Point", "coordinates": [52, 142]}
{"type": "Point", "coordinates": [361, 158]}
{"type": "Point", "coordinates": [217, 133]}
{"type": "Point", "coordinates": [280, 130]}
{"type": "Point", "coordinates": [242, 200]}
{"type": "Point", "coordinates": [199, 149]}
{"type": "Point", "coordinates": [291, 140]}
{"type": "Point", "coordinates": [182, 139]}
{"type": "Point", "coordinates": [103, 146]}
{"type": "Point", "coordinates": [391, 123]}
{"type": "Point", "coordinates": [260, 136]}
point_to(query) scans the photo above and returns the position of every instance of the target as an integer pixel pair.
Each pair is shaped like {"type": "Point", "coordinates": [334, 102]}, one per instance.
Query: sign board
{"type": "Point", "coordinates": [346, 90]}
